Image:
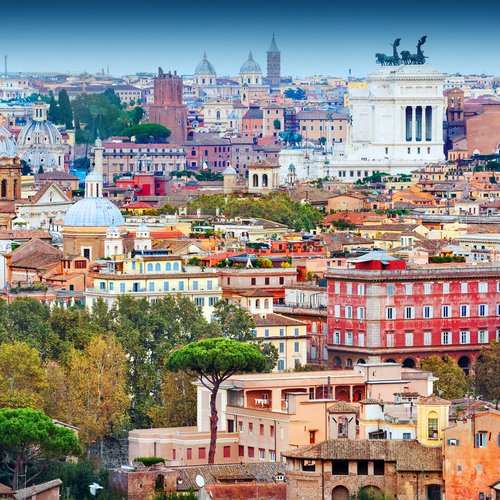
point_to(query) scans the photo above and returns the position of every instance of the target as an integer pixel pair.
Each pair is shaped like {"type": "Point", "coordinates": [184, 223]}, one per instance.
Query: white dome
{"type": "Point", "coordinates": [39, 157]}
{"type": "Point", "coordinates": [205, 67]}
{"type": "Point", "coordinates": [93, 212]}
{"type": "Point", "coordinates": [7, 145]}
{"type": "Point", "coordinates": [250, 66]}
{"type": "Point", "coordinates": [41, 133]}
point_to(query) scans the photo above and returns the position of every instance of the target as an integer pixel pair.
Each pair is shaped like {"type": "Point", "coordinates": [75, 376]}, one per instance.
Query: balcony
{"type": "Point", "coordinates": [292, 308]}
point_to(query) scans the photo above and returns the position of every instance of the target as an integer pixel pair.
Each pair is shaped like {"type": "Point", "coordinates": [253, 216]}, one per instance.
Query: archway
{"type": "Point", "coordinates": [409, 363]}
{"type": "Point", "coordinates": [433, 492]}
{"type": "Point", "coordinates": [337, 361]}
{"type": "Point", "coordinates": [340, 493]}
{"type": "Point", "coordinates": [342, 394]}
{"type": "Point", "coordinates": [361, 361]}
{"type": "Point", "coordinates": [357, 395]}
{"type": "Point", "coordinates": [265, 181]}
{"type": "Point", "coordinates": [390, 360]}
{"type": "Point", "coordinates": [464, 363]}
{"type": "Point", "coordinates": [159, 484]}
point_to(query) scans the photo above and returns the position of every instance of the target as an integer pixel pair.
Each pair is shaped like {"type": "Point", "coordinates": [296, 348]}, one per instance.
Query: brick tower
{"type": "Point", "coordinates": [168, 109]}
{"type": "Point", "coordinates": [273, 65]}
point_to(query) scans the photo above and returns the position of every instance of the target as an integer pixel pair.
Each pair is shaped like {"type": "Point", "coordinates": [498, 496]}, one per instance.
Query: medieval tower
{"type": "Point", "coordinates": [168, 109]}
{"type": "Point", "coordinates": [273, 65]}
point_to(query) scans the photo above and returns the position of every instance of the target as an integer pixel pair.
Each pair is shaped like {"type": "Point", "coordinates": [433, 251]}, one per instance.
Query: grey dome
{"type": "Point", "coordinates": [8, 147]}
{"type": "Point", "coordinates": [39, 156]}
{"type": "Point", "coordinates": [229, 171]}
{"type": "Point", "coordinates": [250, 66]}
{"type": "Point", "coordinates": [41, 133]}
{"type": "Point", "coordinates": [205, 67]}
{"type": "Point", "coordinates": [93, 212]}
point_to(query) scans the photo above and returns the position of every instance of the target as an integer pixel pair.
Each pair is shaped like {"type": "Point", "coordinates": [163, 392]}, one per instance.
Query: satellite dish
{"type": "Point", "coordinates": [200, 481]}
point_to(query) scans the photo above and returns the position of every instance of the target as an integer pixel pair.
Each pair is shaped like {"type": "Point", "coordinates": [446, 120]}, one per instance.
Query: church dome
{"type": "Point", "coordinates": [42, 133]}
{"type": "Point", "coordinates": [229, 171]}
{"type": "Point", "coordinates": [8, 147]}
{"type": "Point", "coordinates": [39, 157]}
{"type": "Point", "coordinates": [250, 66]}
{"type": "Point", "coordinates": [93, 212]}
{"type": "Point", "coordinates": [205, 67]}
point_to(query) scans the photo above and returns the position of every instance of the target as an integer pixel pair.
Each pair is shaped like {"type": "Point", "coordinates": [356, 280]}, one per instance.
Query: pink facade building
{"type": "Point", "coordinates": [382, 310]}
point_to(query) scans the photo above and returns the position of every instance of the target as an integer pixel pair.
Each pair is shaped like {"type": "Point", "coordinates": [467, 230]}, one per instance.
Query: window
{"type": "Point", "coordinates": [282, 332]}
{"type": "Point", "coordinates": [122, 287]}
{"type": "Point", "coordinates": [151, 286]}
{"type": "Point", "coordinates": [482, 310]}
{"type": "Point", "coordinates": [250, 427]}
{"type": "Point", "coordinates": [446, 288]}
{"type": "Point", "coordinates": [446, 311]}
{"type": "Point", "coordinates": [361, 339]}
{"type": "Point", "coordinates": [194, 285]}
{"type": "Point", "coordinates": [296, 332]}
{"type": "Point", "coordinates": [348, 311]}
{"type": "Point", "coordinates": [409, 289]}
{"type": "Point", "coordinates": [111, 286]}
{"type": "Point", "coordinates": [202, 453]}
{"type": "Point", "coordinates": [212, 301]}
{"type": "Point", "coordinates": [340, 467]}
{"type": "Point", "coordinates": [262, 454]}
{"type": "Point", "coordinates": [189, 453]}
{"type": "Point", "coordinates": [336, 311]}
{"type": "Point", "coordinates": [348, 338]}
{"type": "Point", "coordinates": [464, 311]}
{"type": "Point", "coordinates": [209, 285]}
{"type": "Point", "coordinates": [166, 286]}
{"type": "Point", "coordinates": [361, 313]}
{"type": "Point", "coordinates": [390, 339]}
{"type": "Point", "coordinates": [432, 428]}
{"type": "Point", "coordinates": [406, 435]}
{"type": "Point", "coordinates": [362, 467]}
{"type": "Point", "coordinates": [261, 429]}
{"type": "Point", "coordinates": [181, 286]}
{"type": "Point", "coordinates": [241, 451]}
{"type": "Point", "coordinates": [481, 439]}
{"type": "Point", "coordinates": [253, 281]}
{"type": "Point", "coordinates": [482, 336]}
{"type": "Point", "coordinates": [390, 290]}
{"type": "Point", "coordinates": [227, 451]}
{"type": "Point", "coordinates": [464, 337]}
{"type": "Point", "coordinates": [251, 452]}
{"type": "Point", "coordinates": [281, 347]}
{"type": "Point", "coordinates": [272, 455]}
{"type": "Point", "coordinates": [390, 313]}
{"type": "Point", "coordinates": [464, 287]}
{"type": "Point", "coordinates": [266, 281]}
{"type": "Point", "coordinates": [281, 365]}
{"type": "Point", "coordinates": [296, 347]}
{"type": "Point", "coordinates": [337, 288]}
{"type": "Point", "coordinates": [336, 338]}
{"type": "Point", "coordinates": [348, 288]}
{"type": "Point", "coordinates": [482, 287]}
{"type": "Point", "coordinates": [266, 332]}
{"type": "Point", "coordinates": [427, 338]}
{"type": "Point", "coordinates": [409, 312]}
{"type": "Point", "coordinates": [199, 301]}
{"type": "Point", "coordinates": [361, 289]}
{"type": "Point", "coordinates": [409, 338]}
{"type": "Point", "coordinates": [427, 312]}
{"type": "Point", "coordinates": [271, 430]}
{"type": "Point", "coordinates": [446, 338]}
{"type": "Point", "coordinates": [427, 288]}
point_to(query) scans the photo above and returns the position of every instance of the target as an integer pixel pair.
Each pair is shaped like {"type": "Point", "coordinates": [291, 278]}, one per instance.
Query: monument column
{"type": "Point", "coordinates": [413, 123]}
{"type": "Point", "coordinates": [424, 124]}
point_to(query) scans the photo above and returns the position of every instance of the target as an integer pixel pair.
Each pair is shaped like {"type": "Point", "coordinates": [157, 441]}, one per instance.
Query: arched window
{"type": "Point", "coordinates": [265, 180]}
{"type": "Point", "coordinates": [218, 115]}
{"type": "Point", "coordinates": [255, 180]}
{"type": "Point", "coordinates": [157, 266]}
{"type": "Point", "coordinates": [266, 304]}
{"type": "Point", "coordinates": [176, 266]}
{"type": "Point", "coordinates": [257, 304]}
{"type": "Point", "coordinates": [115, 251]}
{"type": "Point", "coordinates": [168, 266]}
{"type": "Point", "coordinates": [432, 425]}
{"type": "Point", "coordinates": [150, 267]}
{"type": "Point", "coordinates": [4, 189]}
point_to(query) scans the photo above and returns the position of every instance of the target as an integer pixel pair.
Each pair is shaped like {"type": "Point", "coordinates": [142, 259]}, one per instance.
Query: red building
{"type": "Point", "coordinates": [380, 308]}
{"type": "Point", "coordinates": [144, 184]}
{"type": "Point", "coordinates": [215, 152]}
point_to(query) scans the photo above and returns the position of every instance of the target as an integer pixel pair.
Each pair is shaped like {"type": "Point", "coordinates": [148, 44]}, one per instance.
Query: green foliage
{"type": "Point", "coordinates": [376, 177]}
{"type": "Point", "coordinates": [487, 373]}
{"type": "Point", "coordinates": [343, 225]}
{"type": "Point", "coordinates": [444, 259]}
{"type": "Point", "coordinates": [453, 382]}
{"type": "Point", "coordinates": [208, 204]}
{"type": "Point", "coordinates": [149, 461]}
{"type": "Point", "coordinates": [28, 436]}
{"type": "Point", "coordinates": [77, 476]}
{"type": "Point", "coordinates": [194, 261]}
{"type": "Point", "coordinates": [369, 493]}
{"type": "Point", "coordinates": [277, 124]}
{"type": "Point", "coordinates": [82, 163]}
{"type": "Point", "coordinates": [148, 133]}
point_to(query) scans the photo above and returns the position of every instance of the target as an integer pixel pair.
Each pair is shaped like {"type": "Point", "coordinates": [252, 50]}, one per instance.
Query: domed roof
{"type": "Point", "coordinates": [8, 147]}
{"type": "Point", "coordinates": [250, 66]}
{"type": "Point", "coordinates": [39, 157]}
{"type": "Point", "coordinates": [229, 171]}
{"type": "Point", "coordinates": [93, 212]}
{"type": "Point", "coordinates": [39, 132]}
{"type": "Point", "coordinates": [205, 67]}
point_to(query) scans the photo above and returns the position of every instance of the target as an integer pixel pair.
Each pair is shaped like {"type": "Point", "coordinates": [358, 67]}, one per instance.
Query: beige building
{"type": "Point", "coordinates": [271, 113]}
{"type": "Point", "coordinates": [263, 177]}
{"type": "Point", "coordinates": [217, 114]}
{"type": "Point", "coordinates": [313, 125]}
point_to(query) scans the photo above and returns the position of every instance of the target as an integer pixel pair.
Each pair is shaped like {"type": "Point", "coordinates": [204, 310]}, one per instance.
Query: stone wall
{"type": "Point", "coordinates": [111, 453]}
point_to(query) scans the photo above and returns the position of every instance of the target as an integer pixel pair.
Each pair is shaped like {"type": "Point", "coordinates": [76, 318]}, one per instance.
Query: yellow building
{"type": "Point", "coordinates": [353, 85]}
{"type": "Point", "coordinates": [432, 419]}
{"type": "Point", "coordinates": [287, 335]}
{"type": "Point", "coordinates": [153, 275]}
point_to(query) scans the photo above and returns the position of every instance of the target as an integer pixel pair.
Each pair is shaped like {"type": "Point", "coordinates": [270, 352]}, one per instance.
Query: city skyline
{"type": "Point", "coordinates": [329, 40]}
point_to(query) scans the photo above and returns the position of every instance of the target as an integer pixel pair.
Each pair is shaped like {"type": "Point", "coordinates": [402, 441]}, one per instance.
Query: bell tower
{"type": "Point", "coordinates": [10, 167]}
{"type": "Point", "coordinates": [273, 65]}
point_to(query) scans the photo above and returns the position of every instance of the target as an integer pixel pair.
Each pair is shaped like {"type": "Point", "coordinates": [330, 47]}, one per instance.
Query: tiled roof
{"type": "Point", "coordinates": [35, 254]}
{"type": "Point", "coordinates": [254, 292]}
{"type": "Point", "coordinates": [57, 175]}
{"type": "Point", "coordinates": [432, 400]}
{"type": "Point", "coordinates": [24, 234]}
{"type": "Point", "coordinates": [342, 407]}
{"type": "Point", "coordinates": [409, 455]}
{"type": "Point", "coordinates": [265, 163]}
{"type": "Point", "coordinates": [36, 489]}
{"type": "Point", "coordinates": [272, 319]}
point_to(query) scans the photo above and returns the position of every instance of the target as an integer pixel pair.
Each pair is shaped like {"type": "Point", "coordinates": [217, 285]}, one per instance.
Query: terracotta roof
{"type": "Point", "coordinates": [272, 319]}
{"type": "Point", "coordinates": [25, 234]}
{"type": "Point", "coordinates": [265, 163]}
{"type": "Point", "coordinates": [254, 292]}
{"type": "Point", "coordinates": [36, 489]}
{"type": "Point", "coordinates": [432, 400]}
{"type": "Point", "coordinates": [5, 490]}
{"type": "Point", "coordinates": [371, 401]}
{"type": "Point", "coordinates": [342, 407]}
{"type": "Point", "coordinates": [409, 455]}
{"type": "Point", "coordinates": [138, 204]}
{"type": "Point", "coordinates": [35, 254]}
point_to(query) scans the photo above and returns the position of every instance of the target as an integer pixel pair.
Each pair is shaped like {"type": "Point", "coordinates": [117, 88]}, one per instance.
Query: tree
{"type": "Point", "coordinates": [487, 373]}
{"type": "Point", "coordinates": [96, 399]}
{"type": "Point", "coordinates": [276, 124]}
{"type": "Point", "coordinates": [65, 111]}
{"type": "Point", "coordinates": [28, 436]}
{"type": "Point", "coordinates": [452, 383]}
{"type": "Point", "coordinates": [213, 361]}
{"type": "Point", "coordinates": [52, 114]}
{"type": "Point", "coordinates": [22, 378]}
{"type": "Point", "coordinates": [148, 133]}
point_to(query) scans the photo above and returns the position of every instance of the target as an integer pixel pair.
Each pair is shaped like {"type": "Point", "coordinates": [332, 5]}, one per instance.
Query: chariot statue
{"type": "Point", "coordinates": [291, 138]}
{"type": "Point", "coordinates": [406, 56]}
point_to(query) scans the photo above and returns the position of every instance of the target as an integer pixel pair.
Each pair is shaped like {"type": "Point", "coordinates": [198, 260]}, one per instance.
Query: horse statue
{"type": "Point", "coordinates": [291, 138]}
{"type": "Point", "coordinates": [417, 58]}
{"type": "Point", "coordinates": [393, 60]}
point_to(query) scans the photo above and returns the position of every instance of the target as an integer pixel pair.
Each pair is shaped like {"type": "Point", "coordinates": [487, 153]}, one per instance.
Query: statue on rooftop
{"type": "Point", "coordinates": [417, 58]}
{"type": "Point", "coordinates": [393, 60]}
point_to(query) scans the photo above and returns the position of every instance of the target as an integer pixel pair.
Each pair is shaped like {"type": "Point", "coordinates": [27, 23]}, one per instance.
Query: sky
{"type": "Point", "coordinates": [317, 37]}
